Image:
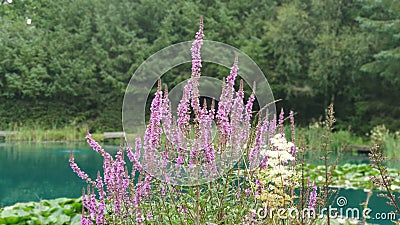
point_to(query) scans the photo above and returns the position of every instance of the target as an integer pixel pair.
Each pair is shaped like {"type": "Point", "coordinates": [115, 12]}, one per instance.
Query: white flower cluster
{"type": "Point", "coordinates": [280, 152]}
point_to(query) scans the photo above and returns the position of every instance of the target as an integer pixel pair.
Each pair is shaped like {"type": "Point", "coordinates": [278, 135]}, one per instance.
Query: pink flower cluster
{"type": "Point", "coordinates": [192, 138]}
{"type": "Point", "coordinates": [187, 144]}
{"type": "Point", "coordinates": [313, 198]}
{"type": "Point", "coordinates": [115, 187]}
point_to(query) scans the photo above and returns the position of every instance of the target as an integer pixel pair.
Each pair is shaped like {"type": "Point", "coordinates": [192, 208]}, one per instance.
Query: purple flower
{"type": "Point", "coordinates": [181, 209]}
{"type": "Point", "coordinates": [191, 92]}
{"type": "Point", "coordinates": [293, 148]}
{"type": "Point", "coordinates": [249, 107]}
{"type": "Point", "coordinates": [264, 162]}
{"type": "Point", "coordinates": [261, 129]}
{"type": "Point", "coordinates": [149, 216]}
{"type": "Point", "coordinates": [280, 123]}
{"type": "Point", "coordinates": [166, 114]}
{"type": "Point", "coordinates": [119, 197]}
{"type": "Point", "coordinates": [259, 187]}
{"type": "Point", "coordinates": [183, 108]}
{"type": "Point", "coordinates": [101, 204]}
{"type": "Point", "coordinates": [163, 191]}
{"type": "Point", "coordinates": [96, 146]}
{"type": "Point", "coordinates": [77, 170]}
{"type": "Point", "coordinates": [225, 103]}
{"type": "Point", "coordinates": [195, 50]}
{"type": "Point", "coordinates": [209, 153]}
{"type": "Point", "coordinates": [272, 129]}
{"type": "Point", "coordinates": [139, 218]}
{"type": "Point", "coordinates": [85, 220]}
{"type": "Point", "coordinates": [234, 71]}
{"type": "Point", "coordinates": [153, 130]}
{"type": "Point", "coordinates": [240, 128]}
{"type": "Point", "coordinates": [313, 197]}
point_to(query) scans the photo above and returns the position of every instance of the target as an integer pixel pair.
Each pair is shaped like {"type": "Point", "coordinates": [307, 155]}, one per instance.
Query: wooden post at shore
{"type": "Point", "coordinates": [111, 135]}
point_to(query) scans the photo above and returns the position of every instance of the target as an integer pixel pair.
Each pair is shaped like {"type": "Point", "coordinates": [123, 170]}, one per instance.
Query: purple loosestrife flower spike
{"type": "Point", "coordinates": [183, 108]}
{"type": "Point", "coordinates": [152, 136]}
{"type": "Point", "coordinates": [262, 128]}
{"type": "Point", "coordinates": [234, 71]}
{"type": "Point", "coordinates": [89, 202]}
{"type": "Point", "coordinates": [166, 113]}
{"type": "Point", "coordinates": [78, 171]}
{"type": "Point", "coordinates": [240, 129]}
{"type": "Point", "coordinates": [249, 105]}
{"type": "Point", "coordinates": [264, 162]}
{"type": "Point", "coordinates": [205, 127]}
{"type": "Point", "coordinates": [195, 50]}
{"type": "Point", "coordinates": [196, 67]}
{"type": "Point", "coordinates": [85, 219]}
{"type": "Point", "coordinates": [107, 158]}
{"type": "Point", "coordinates": [102, 201]}
{"type": "Point", "coordinates": [153, 131]}
{"type": "Point", "coordinates": [272, 128]}
{"type": "Point", "coordinates": [138, 146]}
{"type": "Point", "coordinates": [248, 112]}
{"type": "Point", "coordinates": [139, 218]}
{"type": "Point", "coordinates": [96, 146]}
{"type": "Point", "coordinates": [226, 101]}
{"type": "Point", "coordinates": [191, 92]}
{"type": "Point", "coordinates": [121, 180]}
{"type": "Point", "coordinates": [293, 148]}
{"type": "Point", "coordinates": [280, 123]}
{"type": "Point", "coordinates": [259, 187]}
{"type": "Point", "coordinates": [313, 197]}
{"type": "Point", "coordinates": [129, 153]}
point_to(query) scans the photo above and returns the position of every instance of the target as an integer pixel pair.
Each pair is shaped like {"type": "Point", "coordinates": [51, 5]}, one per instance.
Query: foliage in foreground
{"type": "Point", "coordinates": [57, 211]}
{"type": "Point", "coordinates": [345, 176]}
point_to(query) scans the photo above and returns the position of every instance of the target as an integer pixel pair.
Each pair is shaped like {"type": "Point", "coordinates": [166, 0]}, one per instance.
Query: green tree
{"type": "Point", "coordinates": [379, 105]}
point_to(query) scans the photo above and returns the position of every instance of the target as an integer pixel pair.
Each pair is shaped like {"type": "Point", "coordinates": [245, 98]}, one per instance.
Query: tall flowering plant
{"type": "Point", "coordinates": [132, 196]}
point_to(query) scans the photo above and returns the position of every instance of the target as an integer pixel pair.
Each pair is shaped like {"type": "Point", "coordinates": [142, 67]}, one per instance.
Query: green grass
{"type": "Point", "coordinates": [391, 145]}
{"type": "Point", "coordinates": [37, 134]}
{"type": "Point", "coordinates": [312, 137]}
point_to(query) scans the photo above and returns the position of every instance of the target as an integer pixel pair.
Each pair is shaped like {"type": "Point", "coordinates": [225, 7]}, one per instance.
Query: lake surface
{"type": "Point", "coordinates": [30, 172]}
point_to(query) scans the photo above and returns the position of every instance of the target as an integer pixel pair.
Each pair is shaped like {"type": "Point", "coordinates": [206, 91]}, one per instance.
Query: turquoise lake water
{"type": "Point", "coordinates": [31, 172]}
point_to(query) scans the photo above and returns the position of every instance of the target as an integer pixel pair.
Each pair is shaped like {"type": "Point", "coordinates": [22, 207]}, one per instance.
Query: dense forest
{"type": "Point", "coordinates": [69, 62]}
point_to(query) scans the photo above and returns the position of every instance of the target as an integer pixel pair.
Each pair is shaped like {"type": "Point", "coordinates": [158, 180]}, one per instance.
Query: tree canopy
{"type": "Point", "coordinates": [71, 62]}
